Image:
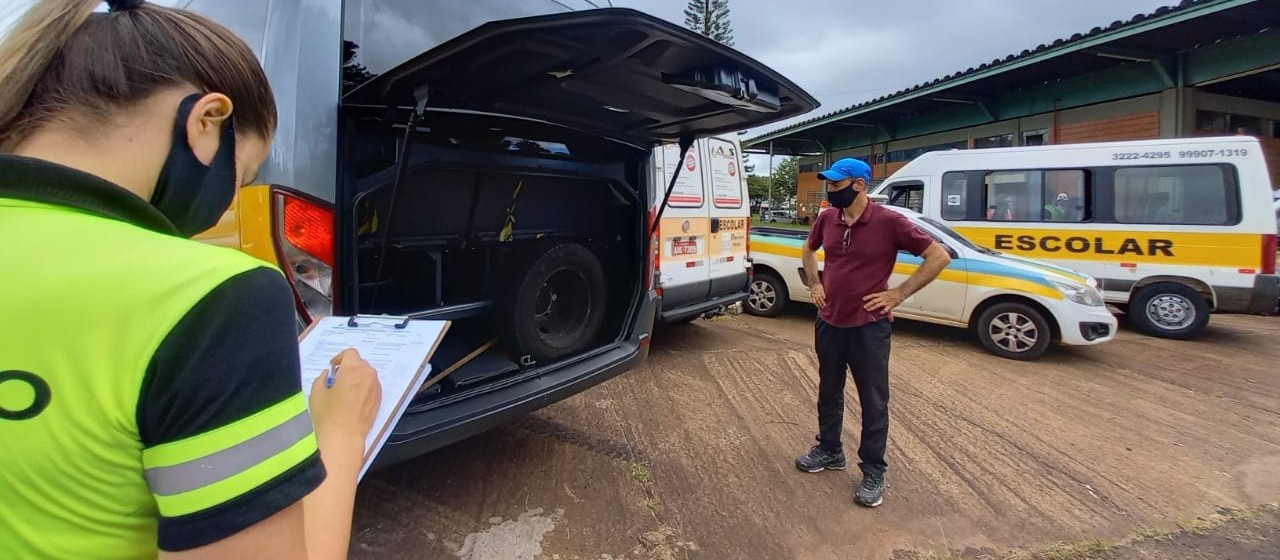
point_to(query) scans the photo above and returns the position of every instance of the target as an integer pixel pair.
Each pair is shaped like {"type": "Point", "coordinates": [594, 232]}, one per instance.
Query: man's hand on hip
{"type": "Point", "coordinates": [884, 302]}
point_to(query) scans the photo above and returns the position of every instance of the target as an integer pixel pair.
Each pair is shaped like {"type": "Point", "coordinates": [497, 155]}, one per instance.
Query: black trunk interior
{"type": "Point", "coordinates": [453, 239]}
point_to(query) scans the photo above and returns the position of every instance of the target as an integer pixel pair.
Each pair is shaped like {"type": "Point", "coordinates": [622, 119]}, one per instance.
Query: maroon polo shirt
{"type": "Point", "coordinates": [864, 264]}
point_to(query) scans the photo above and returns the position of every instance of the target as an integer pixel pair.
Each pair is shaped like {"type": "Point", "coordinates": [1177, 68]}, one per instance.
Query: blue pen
{"type": "Point", "coordinates": [333, 374]}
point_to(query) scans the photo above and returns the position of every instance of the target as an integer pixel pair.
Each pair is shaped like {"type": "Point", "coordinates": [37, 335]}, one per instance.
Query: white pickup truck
{"type": "Point", "coordinates": [1018, 307]}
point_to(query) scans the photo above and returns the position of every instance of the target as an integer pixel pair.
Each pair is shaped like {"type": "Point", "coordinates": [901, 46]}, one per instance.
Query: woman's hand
{"type": "Point", "coordinates": [345, 411]}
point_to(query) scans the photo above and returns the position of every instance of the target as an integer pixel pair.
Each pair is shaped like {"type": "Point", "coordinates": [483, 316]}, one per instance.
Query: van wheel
{"type": "Point", "coordinates": [1169, 310]}
{"type": "Point", "coordinates": [556, 304]}
{"type": "Point", "coordinates": [1015, 331]}
{"type": "Point", "coordinates": [768, 295]}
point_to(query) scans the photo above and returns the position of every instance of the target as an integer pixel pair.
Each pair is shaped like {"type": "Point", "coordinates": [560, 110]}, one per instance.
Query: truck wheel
{"type": "Point", "coordinates": [1169, 310]}
{"type": "Point", "coordinates": [556, 305]}
{"type": "Point", "coordinates": [1013, 330]}
{"type": "Point", "coordinates": [768, 295]}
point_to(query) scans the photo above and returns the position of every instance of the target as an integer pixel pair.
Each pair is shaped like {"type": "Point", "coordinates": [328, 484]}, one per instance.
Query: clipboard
{"type": "Point", "coordinates": [399, 348]}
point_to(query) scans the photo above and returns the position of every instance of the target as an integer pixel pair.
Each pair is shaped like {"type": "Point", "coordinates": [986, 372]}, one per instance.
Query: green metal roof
{"type": "Point", "coordinates": [1163, 32]}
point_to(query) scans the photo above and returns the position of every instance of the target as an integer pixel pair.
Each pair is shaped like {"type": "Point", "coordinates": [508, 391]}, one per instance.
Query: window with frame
{"type": "Point", "coordinates": [1036, 195]}
{"type": "Point", "coordinates": [1181, 195]}
{"type": "Point", "coordinates": [955, 193]}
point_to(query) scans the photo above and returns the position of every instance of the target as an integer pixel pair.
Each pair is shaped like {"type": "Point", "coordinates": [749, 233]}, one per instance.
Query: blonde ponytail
{"type": "Point", "coordinates": [25, 54]}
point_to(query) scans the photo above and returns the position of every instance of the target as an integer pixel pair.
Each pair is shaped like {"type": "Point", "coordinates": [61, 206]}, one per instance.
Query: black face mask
{"type": "Point", "coordinates": [191, 194]}
{"type": "Point", "coordinates": [843, 198]}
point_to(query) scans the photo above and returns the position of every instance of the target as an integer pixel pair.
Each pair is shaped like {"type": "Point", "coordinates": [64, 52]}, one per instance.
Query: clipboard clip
{"type": "Point", "coordinates": [376, 319]}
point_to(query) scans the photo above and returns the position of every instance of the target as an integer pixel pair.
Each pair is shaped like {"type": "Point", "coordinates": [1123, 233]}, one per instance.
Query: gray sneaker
{"type": "Point", "coordinates": [871, 492]}
{"type": "Point", "coordinates": [819, 459]}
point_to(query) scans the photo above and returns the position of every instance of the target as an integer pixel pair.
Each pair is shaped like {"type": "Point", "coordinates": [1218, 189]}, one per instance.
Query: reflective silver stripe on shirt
{"type": "Point", "coordinates": [198, 473]}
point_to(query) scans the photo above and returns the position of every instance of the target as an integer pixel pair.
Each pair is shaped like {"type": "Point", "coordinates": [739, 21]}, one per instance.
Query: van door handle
{"type": "Point", "coordinates": [715, 225]}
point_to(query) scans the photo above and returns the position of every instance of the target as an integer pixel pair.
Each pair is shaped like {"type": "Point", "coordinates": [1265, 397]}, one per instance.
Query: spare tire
{"type": "Point", "coordinates": [555, 303]}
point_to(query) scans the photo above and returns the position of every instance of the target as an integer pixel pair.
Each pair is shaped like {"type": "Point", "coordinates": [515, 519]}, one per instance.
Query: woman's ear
{"type": "Point", "coordinates": [204, 125]}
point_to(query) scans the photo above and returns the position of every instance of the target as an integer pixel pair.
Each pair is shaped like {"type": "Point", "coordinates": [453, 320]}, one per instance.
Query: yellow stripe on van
{"type": "Point", "coordinates": [947, 275]}
{"type": "Point", "coordinates": [984, 280]}
{"type": "Point", "coordinates": [1227, 250]}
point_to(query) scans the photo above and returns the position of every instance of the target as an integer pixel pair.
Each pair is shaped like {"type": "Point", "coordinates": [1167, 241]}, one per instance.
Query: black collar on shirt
{"type": "Point", "coordinates": [37, 180]}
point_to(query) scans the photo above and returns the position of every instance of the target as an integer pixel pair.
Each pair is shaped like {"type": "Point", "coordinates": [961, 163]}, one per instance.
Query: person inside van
{"type": "Point", "coordinates": [1057, 210]}
{"type": "Point", "coordinates": [150, 395]}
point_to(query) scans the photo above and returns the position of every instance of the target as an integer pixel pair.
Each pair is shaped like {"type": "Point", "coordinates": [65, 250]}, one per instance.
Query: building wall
{"type": "Point", "coordinates": [1134, 126]}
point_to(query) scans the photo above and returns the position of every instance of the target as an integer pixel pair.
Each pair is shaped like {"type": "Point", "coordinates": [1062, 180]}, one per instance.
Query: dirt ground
{"type": "Point", "coordinates": [1127, 450]}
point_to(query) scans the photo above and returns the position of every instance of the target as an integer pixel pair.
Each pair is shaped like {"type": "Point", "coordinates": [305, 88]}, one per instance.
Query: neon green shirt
{"type": "Point", "coordinates": [149, 389]}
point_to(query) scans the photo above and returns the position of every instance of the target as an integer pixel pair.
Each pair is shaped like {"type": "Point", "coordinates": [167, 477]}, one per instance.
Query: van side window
{"type": "Point", "coordinates": [955, 189]}
{"type": "Point", "coordinates": [1183, 195]}
{"type": "Point", "coordinates": [1059, 195]}
{"type": "Point", "coordinates": [906, 194]}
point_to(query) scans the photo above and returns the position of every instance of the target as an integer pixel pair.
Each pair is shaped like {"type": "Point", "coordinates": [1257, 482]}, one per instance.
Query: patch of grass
{"type": "Point", "coordinates": [1199, 525]}
{"type": "Point", "coordinates": [640, 473]}
{"type": "Point", "coordinates": [653, 504]}
{"type": "Point", "coordinates": [1253, 514]}
{"type": "Point", "coordinates": [933, 556]}
{"type": "Point", "coordinates": [1080, 550]}
{"type": "Point", "coordinates": [1153, 534]}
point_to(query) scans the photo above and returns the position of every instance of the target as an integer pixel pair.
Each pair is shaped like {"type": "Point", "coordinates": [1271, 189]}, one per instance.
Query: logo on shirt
{"type": "Point", "coordinates": [23, 395]}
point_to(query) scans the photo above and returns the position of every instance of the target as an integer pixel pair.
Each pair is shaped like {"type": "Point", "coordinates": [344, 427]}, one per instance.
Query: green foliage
{"type": "Point", "coordinates": [710, 18]}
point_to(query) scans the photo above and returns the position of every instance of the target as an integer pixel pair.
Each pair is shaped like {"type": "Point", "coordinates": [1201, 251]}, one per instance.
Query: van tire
{"type": "Point", "coordinates": [555, 304]}
{"type": "Point", "coordinates": [767, 296]}
{"type": "Point", "coordinates": [1169, 310]}
{"type": "Point", "coordinates": [998, 325]}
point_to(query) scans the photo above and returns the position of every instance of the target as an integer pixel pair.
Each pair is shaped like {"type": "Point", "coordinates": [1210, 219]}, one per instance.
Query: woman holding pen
{"type": "Point", "coordinates": [150, 401]}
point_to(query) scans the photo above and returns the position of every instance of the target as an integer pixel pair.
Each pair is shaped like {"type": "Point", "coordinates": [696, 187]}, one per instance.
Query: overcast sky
{"type": "Point", "coordinates": [844, 52]}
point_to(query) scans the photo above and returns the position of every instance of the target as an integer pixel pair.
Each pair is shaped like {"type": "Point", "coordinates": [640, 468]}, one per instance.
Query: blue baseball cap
{"type": "Point", "coordinates": [847, 168]}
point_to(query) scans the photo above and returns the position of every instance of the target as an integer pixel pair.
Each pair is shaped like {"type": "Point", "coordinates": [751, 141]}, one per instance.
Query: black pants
{"type": "Point", "coordinates": [865, 350]}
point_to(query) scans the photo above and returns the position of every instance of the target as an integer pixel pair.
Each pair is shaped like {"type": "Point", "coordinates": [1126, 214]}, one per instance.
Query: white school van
{"type": "Point", "coordinates": [1174, 229]}
{"type": "Point", "coordinates": [1017, 307]}
{"type": "Point", "coordinates": [703, 256]}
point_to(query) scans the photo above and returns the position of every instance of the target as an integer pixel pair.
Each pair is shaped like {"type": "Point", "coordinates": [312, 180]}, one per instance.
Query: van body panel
{"type": "Point", "coordinates": [1207, 202]}
{"type": "Point", "coordinates": [704, 227]}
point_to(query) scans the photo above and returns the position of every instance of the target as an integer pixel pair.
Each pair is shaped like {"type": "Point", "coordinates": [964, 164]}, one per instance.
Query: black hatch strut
{"type": "Point", "coordinates": [685, 143]}
{"type": "Point", "coordinates": [415, 118]}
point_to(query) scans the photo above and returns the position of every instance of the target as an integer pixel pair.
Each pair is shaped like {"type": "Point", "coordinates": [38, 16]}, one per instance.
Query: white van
{"type": "Point", "coordinates": [1017, 307]}
{"type": "Point", "coordinates": [1174, 229]}
{"type": "Point", "coordinates": [703, 260]}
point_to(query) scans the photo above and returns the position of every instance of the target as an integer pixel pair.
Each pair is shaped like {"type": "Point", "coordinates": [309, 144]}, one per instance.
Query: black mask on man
{"type": "Point", "coordinates": [843, 198]}
{"type": "Point", "coordinates": [192, 195]}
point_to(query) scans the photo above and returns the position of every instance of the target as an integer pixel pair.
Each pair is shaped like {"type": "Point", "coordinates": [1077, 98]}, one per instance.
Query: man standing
{"type": "Point", "coordinates": [860, 241]}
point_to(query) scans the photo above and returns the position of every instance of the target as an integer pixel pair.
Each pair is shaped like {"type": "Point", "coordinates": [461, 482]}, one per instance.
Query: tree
{"type": "Point", "coordinates": [710, 18]}
{"type": "Point", "coordinates": [757, 188]}
{"type": "Point", "coordinates": [784, 179]}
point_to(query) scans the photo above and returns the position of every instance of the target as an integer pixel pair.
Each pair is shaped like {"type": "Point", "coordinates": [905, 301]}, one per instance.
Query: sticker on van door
{"type": "Point", "coordinates": [726, 185]}
{"type": "Point", "coordinates": [688, 190]}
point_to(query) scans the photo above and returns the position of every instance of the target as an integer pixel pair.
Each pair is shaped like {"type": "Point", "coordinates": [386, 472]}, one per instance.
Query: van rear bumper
{"type": "Point", "coordinates": [1262, 299]}
{"type": "Point", "coordinates": [697, 309]}
{"type": "Point", "coordinates": [426, 431]}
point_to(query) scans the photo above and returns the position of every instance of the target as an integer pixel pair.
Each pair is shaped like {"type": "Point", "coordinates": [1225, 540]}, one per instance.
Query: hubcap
{"type": "Point", "coordinates": [1171, 311]}
{"type": "Point", "coordinates": [763, 297]}
{"type": "Point", "coordinates": [1014, 332]}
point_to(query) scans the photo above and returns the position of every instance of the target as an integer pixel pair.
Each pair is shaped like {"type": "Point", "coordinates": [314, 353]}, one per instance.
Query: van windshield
{"type": "Point", "coordinates": [955, 236]}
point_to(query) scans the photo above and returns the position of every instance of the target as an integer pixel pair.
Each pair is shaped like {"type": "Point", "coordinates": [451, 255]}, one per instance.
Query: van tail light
{"type": "Point", "coordinates": [751, 270]}
{"type": "Point", "coordinates": [1269, 253]}
{"type": "Point", "coordinates": [653, 279]}
{"type": "Point", "coordinates": [303, 230]}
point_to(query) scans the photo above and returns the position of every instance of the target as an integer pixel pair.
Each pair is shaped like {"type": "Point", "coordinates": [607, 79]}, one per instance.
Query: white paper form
{"type": "Point", "coordinates": [399, 355]}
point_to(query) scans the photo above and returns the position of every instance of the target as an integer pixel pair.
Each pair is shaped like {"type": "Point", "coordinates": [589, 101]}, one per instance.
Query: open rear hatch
{"type": "Point", "coordinates": [610, 73]}
{"type": "Point", "coordinates": [614, 72]}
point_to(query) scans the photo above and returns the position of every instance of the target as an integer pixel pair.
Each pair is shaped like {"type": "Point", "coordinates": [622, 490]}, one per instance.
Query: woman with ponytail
{"type": "Point", "coordinates": [150, 402]}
